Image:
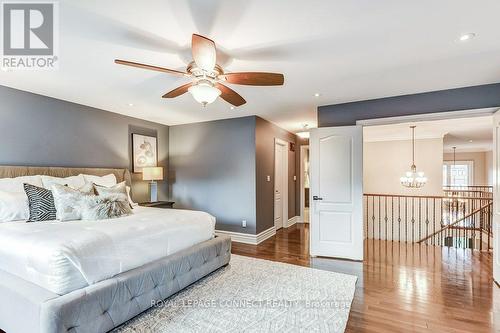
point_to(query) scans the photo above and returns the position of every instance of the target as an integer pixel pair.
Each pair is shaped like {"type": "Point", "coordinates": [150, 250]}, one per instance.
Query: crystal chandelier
{"type": "Point", "coordinates": [413, 178]}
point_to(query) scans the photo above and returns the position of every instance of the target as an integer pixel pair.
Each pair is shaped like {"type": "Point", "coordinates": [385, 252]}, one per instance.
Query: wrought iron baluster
{"type": "Point", "coordinates": [406, 219]}
{"type": "Point", "coordinates": [412, 219]}
{"type": "Point", "coordinates": [373, 217]}
{"type": "Point", "coordinates": [385, 217]}
{"type": "Point", "coordinates": [379, 222]}
{"type": "Point", "coordinates": [434, 220]}
{"type": "Point", "coordinates": [399, 219]}
{"type": "Point", "coordinates": [366, 211]}
{"type": "Point", "coordinates": [426, 218]}
{"type": "Point", "coordinates": [392, 218]}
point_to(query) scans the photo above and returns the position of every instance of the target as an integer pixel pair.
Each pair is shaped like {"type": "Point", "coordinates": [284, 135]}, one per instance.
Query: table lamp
{"type": "Point", "coordinates": [153, 174]}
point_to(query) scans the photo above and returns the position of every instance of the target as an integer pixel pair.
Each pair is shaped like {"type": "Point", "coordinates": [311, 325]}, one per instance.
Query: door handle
{"type": "Point", "coordinates": [315, 197]}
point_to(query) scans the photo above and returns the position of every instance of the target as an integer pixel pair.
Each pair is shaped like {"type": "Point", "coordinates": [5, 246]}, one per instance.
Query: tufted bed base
{"type": "Point", "coordinates": [26, 307]}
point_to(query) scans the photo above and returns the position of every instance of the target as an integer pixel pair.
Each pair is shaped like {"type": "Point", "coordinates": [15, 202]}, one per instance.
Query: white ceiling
{"type": "Point", "coordinates": [455, 132]}
{"type": "Point", "coordinates": [345, 50]}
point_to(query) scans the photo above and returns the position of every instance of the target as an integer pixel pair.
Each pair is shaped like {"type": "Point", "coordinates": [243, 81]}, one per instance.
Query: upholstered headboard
{"type": "Point", "coordinates": [17, 171]}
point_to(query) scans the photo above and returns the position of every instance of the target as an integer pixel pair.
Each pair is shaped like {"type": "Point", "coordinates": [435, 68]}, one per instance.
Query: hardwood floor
{"type": "Point", "coordinates": [402, 287]}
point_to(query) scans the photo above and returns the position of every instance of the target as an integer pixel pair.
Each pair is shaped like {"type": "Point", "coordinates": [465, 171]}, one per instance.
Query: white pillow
{"type": "Point", "coordinates": [13, 206]}
{"type": "Point", "coordinates": [108, 180]}
{"type": "Point", "coordinates": [74, 182]}
{"type": "Point", "coordinates": [68, 201]}
{"type": "Point", "coordinates": [130, 201]}
{"type": "Point", "coordinates": [16, 184]}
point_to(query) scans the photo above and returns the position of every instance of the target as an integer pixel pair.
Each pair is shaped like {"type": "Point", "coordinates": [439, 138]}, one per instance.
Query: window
{"type": "Point", "coordinates": [460, 174]}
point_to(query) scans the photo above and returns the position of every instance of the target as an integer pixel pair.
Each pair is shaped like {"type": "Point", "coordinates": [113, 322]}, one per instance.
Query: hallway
{"type": "Point", "coordinates": [402, 287]}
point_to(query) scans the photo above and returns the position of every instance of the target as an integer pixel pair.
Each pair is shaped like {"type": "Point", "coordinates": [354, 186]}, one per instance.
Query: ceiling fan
{"type": "Point", "coordinates": [208, 77]}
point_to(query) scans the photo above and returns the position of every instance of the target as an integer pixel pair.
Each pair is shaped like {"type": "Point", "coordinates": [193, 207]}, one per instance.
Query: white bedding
{"type": "Point", "coordinates": [65, 256]}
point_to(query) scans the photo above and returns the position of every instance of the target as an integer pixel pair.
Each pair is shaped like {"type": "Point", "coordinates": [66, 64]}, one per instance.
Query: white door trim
{"type": "Point", "coordinates": [496, 196]}
{"type": "Point", "coordinates": [302, 180]}
{"type": "Point", "coordinates": [283, 143]}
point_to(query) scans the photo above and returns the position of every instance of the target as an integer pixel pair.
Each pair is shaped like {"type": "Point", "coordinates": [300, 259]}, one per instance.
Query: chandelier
{"type": "Point", "coordinates": [413, 178]}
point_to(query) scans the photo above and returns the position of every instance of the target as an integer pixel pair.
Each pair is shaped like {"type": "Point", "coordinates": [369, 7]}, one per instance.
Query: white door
{"type": "Point", "coordinates": [336, 174]}
{"type": "Point", "coordinates": [280, 183]}
{"type": "Point", "coordinates": [496, 196]}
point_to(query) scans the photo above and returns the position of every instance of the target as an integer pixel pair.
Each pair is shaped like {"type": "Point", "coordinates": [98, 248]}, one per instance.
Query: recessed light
{"type": "Point", "coordinates": [470, 141]}
{"type": "Point", "coordinates": [130, 104]}
{"type": "Point", "coordinates": [467, 36]}
{"type": "Point", "coordinates": [317, 94]}
{"type": "Point", "coordinates": [232, 107]}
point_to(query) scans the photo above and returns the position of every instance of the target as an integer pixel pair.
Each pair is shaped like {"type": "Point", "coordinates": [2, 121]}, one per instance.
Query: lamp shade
{"type": "Point", "coordinates": [152, 173]}
{"type": "Point", "coordinates": [204, 93]}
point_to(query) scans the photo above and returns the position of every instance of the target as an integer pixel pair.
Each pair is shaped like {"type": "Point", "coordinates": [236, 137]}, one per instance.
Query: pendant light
{"type": "Point", "coordinates": [413, 178]}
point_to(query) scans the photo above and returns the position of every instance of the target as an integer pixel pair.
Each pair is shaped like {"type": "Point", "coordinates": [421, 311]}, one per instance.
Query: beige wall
{"type": "Point", "coordinates": [386, 161]}
{"type": "Point", "coordinates": [482, 169]}
{"type": "Point", "coordinates": [488, 157]}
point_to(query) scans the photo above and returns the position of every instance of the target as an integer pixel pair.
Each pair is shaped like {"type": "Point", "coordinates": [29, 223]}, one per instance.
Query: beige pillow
{"type": "Point", "coordinates": [120, 188]}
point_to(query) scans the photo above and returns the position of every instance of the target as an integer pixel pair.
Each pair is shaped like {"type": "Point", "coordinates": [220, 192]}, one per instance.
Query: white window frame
{"type": "Point", "coordinates": [470, 165]}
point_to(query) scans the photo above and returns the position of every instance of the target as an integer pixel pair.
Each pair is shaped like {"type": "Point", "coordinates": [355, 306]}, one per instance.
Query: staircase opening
{"type": "Point", "coordinates": [454, 207]}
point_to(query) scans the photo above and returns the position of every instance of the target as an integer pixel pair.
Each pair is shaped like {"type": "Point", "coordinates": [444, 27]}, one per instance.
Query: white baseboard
{"type": "Point", "coordinates": [292, 221]}
{"type": "Point", "coordinates": [248, 238]}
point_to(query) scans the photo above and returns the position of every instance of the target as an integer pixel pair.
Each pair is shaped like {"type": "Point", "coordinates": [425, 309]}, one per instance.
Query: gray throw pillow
{"type": "Point", "coordinates": [105, 206]}
{"type": "Point", "coordinates": [120, 188]}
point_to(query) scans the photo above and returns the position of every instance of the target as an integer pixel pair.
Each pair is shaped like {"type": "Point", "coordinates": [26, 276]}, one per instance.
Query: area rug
{"type": "Point", "coordinates": [254, 295]}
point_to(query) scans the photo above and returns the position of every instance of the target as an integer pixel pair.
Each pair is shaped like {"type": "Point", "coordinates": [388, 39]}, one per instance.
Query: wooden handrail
{"type": "Point", "coordinates": [424, 196]}
{"type": "Point", "coordinates": [457, 221]}
{"type": "Point", "coordinates": [488, 186]}
{"type": "Point", "coordinates": [471, 191]}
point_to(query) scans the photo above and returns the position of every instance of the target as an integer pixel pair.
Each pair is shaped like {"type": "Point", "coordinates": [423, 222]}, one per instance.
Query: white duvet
{"type": "Point", "coordinates": [65, 256]}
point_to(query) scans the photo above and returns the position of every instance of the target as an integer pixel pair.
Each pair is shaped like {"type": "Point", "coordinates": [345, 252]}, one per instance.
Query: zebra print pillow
{"type": "Point", "coordinates": [41, 203]}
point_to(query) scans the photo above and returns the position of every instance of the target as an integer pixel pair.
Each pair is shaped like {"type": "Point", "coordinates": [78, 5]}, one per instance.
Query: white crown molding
{"type": "Point", "coordinates": [404, 138]}
{"type": "Point", "coordinates": [248, 238]}
{"type": "Point", "coordinates": [428, 117]}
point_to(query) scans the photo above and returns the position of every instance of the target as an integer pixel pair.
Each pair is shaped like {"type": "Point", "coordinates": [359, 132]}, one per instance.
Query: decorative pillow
{"type": "Point", "coordinates": [75, 182]}
{"type": "Point", "coordinates": [105, 206]}
{"type": "Point", "coordinates": [108, 180]}
{"type": "Point", "coordinates": [16, 184]}
{"type": "Point", "coordinates": [118, 188]}
{"type": "Point", "coordinates": [13, 206]}
{"type": "Point", "coordinates": [68, 201]}
{"type": "Point", "coordinates": [41, 204]}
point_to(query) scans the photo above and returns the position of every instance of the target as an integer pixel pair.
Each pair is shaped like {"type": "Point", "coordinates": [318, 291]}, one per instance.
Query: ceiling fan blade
{"type": "Point", "coordinates": [230, 96]}
{"type": "Point", "coordinates": [204, 52]}
{"type": "Point", "coordinates": [254, 78]}
{"type": "Point", "coordinates": [178, 91]}
{"type": "Point", "coordinates": [151, 67]}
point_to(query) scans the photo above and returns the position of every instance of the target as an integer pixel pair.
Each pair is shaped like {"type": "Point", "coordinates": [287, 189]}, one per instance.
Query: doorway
{"type": "Point", "coordinates": [280, 183]}
{"type": "Point", "coordinates": [327, 209]}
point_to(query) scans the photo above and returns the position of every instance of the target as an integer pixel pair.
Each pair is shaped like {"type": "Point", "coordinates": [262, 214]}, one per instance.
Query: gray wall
{"type": "Point", "coordinates": [212, 168]}
{"type": "Point", "coordinates": [42, 131]}
{"type": "Point", "coordinates": [266, 132]}
{"type": "Point", "coordinates": [467, 98]}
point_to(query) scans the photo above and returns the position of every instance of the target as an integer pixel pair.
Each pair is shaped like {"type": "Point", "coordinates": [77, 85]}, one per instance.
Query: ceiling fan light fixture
{"type": "Point", "coordinates": [204, 92]}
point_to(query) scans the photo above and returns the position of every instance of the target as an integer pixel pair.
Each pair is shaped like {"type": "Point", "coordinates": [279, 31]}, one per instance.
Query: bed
{"type": "Point", "coordinates": [92, 276]}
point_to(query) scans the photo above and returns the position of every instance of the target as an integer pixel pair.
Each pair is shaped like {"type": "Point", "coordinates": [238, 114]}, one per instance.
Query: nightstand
{"type": "Point", "coordinates": [158, 204]}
